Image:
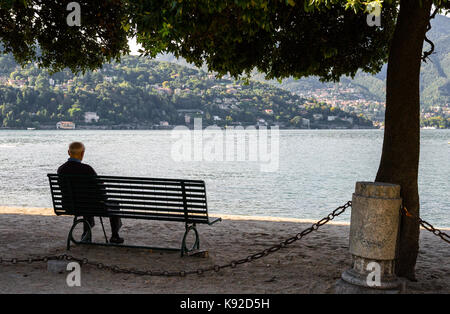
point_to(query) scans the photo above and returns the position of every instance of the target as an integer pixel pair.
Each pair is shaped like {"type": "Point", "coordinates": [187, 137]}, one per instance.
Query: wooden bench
{"type": "Point", "coordinates": [133, 198]}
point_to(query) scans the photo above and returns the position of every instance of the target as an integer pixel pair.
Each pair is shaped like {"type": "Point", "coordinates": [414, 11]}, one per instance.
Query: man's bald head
{"type": "Point", "coordinates": [76, 150]}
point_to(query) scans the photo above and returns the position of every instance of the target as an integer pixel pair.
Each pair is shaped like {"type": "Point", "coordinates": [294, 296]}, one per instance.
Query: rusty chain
{"type": "Point", "coordinates": [427, 226]}
{"type": "Point", "coordinates": [216, 268]}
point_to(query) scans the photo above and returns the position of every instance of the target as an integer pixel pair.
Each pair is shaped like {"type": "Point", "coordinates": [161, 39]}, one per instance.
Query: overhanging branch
{"type": "Point", "coordinates": [428, 53]}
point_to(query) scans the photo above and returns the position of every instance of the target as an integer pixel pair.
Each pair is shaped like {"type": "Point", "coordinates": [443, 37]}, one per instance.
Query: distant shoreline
{"type": "Point", "coordinates": [170, 129]}
{"type": "Point", "coordinates": [165, 128]}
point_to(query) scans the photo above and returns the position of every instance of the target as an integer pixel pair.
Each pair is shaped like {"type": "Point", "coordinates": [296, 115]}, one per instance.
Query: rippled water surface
{"type": "Point", "coordinates": [317, 169]}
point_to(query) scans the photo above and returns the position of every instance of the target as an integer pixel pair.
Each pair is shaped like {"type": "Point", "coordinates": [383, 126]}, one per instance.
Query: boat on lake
{"type": "Point", "coordinates": [65, 125]}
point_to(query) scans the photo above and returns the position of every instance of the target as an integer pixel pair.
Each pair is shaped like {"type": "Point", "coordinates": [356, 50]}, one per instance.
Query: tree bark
{"type": "Point", "coordinates": [401, 146]}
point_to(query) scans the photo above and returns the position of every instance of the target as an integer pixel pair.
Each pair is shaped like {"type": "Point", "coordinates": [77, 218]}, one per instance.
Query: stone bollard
{"type": "Point", "coordinates": [375, 219]}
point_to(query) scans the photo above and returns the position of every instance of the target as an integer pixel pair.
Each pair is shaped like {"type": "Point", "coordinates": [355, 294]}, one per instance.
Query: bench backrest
{"type": "Point", "coordinates": [129, 197]}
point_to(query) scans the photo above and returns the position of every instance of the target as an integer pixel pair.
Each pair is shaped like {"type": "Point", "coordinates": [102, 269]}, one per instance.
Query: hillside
{"type": "Point", "coordinates": [142, 93]}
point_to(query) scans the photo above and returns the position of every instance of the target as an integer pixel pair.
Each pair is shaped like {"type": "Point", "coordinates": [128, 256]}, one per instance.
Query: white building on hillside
{"type": "Point", "coordinates": [331, 118]}
{"type": "Point", "coordinates": [90, 117]}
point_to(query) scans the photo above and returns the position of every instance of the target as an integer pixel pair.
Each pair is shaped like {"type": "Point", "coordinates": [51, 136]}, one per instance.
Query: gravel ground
{"type": "Point", "coordinates": [311, 265]}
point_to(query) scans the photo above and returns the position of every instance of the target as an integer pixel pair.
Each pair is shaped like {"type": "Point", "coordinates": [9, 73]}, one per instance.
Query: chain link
{"type": "Point", "coordinates": [216, 268]}
{"type": "Point", "coordinates": [427, 226]}
{"type": "Point", "coordinates": [444, 236]}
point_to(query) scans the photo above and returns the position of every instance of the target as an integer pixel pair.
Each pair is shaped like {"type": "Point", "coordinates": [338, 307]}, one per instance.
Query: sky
{"type": "Point", "coordinates": [133, 46]}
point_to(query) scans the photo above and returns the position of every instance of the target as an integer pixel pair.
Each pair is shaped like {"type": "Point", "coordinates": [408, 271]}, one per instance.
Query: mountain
{"type": "Point", "coordinates": [143, 93]}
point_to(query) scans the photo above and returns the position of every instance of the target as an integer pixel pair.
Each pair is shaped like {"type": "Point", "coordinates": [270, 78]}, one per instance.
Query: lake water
{"type": "Point", "coordinates": [317, 169]}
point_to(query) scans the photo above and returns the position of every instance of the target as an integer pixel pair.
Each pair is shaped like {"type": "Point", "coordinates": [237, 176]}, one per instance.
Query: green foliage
{"type": "Point", "coordinates": [281, 39]}
{"type": "Point", "coordinates": [437, 122]}
{"type": "Point", "coordinates": [34, 30]}
{"type": "Point", "coordinates": [141, 92]}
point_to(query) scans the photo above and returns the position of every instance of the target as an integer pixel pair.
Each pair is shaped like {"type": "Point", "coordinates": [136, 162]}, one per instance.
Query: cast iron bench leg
{"type": "Point", "coordinates": [76, 221]}
{"type": "Point", "coordinates": [196, 245]}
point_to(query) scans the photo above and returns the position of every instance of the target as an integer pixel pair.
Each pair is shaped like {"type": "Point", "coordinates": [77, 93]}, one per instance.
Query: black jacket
{"type": "Point", "coordinates": [79, 186]}
{"type": "Point", "coordinates": [73, 167]}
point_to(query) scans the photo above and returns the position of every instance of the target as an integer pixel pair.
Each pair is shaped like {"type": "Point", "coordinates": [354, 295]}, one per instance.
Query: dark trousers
{"type": "Point", "coordinates": [115, 222]}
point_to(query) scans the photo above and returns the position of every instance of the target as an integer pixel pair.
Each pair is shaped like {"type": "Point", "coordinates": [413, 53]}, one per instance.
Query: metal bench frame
{"type": "Point", "coordinates": [134, 198]}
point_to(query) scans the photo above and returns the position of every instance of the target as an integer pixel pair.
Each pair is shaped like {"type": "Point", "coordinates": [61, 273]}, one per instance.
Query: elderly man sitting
{"type": "Point", "coordinates": [74, 167]}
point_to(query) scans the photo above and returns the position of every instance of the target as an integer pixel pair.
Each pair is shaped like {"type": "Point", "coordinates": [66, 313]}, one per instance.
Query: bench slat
{"type": "Point", "coordinates": [127, 211]}
{"type": "Point", "coordinates": [143, 198]}
{"type": "Point", "coordinates": [137, 214]}
{"type": "Point", "coordinates": [135, 202]}
{"type": "Point", "coordinates": [140, 187]}
{"type": "Point", "coordinates": [138, 180]}
{"type": "Point", "coordinates": [117, 192]}
{"type": "Point", "coordinates": [152, 182]}
{"type": "Point", "coordinates": [150, 179]}
{"type": "Point", "coordinates": [89, 206]}
{"type": "Point", "coordinates": [103, 187]}
{"type": "Point", "coordinates": [108, 187]}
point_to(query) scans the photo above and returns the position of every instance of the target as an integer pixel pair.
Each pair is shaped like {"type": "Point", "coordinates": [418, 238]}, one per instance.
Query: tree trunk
{"type": "Point", "coordinates": [400, 157]}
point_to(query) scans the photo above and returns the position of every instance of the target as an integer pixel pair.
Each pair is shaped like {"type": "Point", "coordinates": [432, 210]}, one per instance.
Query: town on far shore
{"type": "Point", "coordinates": [147, 94]}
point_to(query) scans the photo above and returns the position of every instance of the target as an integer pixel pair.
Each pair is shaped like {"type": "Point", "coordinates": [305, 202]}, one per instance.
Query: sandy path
{"type": "Point", "coordinates": [309, 266]}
